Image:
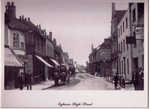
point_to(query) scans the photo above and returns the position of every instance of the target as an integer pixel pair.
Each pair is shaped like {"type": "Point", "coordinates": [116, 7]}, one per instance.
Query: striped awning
{"type": "Point", "coordinates": [42, 60]}
{"type": "Point", "coordinates": [11, 59]}
{"type": "Point", "coordinates": [55, 62]}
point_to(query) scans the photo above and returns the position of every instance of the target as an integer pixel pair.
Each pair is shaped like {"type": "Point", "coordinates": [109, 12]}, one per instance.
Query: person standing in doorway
{"type": "Point", "coordinates": [116, 78]}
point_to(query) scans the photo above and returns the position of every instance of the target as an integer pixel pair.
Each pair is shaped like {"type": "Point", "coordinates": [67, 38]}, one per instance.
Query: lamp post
{"type": "Point", "coordinates": [104, 61]}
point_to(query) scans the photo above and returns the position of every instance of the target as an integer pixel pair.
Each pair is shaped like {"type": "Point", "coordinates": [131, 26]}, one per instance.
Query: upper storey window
{"type": "Point", "coordinates": [15, 40]}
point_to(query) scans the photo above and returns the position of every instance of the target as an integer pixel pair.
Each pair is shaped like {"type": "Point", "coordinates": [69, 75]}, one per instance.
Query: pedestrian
{"type": "Point", "coordinates": [141, 79]}
{"type": "Point", "coordinates": [123, 81]}
{"type": "Point", "coordinates": [21, 81]}
{"type": "Point", "coordinates": [95, 73]}
{"type": "Point", "coordinates": [116, 78]}
{"type": "Point", "coordinates": [29, 81]}
{"type": "Point", "coordinates": [136, 78]}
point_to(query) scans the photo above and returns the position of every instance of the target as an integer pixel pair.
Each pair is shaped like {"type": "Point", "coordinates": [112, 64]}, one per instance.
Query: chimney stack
{"type": "Point", "coordinates": [44, 31]}
{"type": "Point", "coordinates": [50, 35]}
{"type": "Point", "coordinates": [54, 40]}
{"type": "Point", "coordinates": [10, 11]}
{"type": "Point", "coordinates": [40, 27]}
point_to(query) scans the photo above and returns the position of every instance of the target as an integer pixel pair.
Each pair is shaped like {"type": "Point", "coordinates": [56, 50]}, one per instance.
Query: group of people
{"type": "Point", "coordinates": [63, 74]}
{"type": "Point", "coordinates": [137, 79]}
{"type": "Point", "coordinates": [25, 80]}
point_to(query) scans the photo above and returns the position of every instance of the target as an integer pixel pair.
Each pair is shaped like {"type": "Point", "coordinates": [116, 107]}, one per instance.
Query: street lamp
{"type": "Point", "coordinates": [104, 61]}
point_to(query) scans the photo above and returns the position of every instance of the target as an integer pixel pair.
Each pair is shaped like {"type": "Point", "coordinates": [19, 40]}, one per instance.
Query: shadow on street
{"type": "Point", "coordinates": [71, 84]}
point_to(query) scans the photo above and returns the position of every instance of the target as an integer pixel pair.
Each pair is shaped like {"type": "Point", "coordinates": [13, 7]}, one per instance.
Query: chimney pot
{"type": "Point", "coordinates": [39, 26]}
{"type": "Point", "coordinates": [12, 3]}
{"type": "Point", "coordinates": [8, 3]}
{"type": "Point", "coordinates": [28, 19]}
{"type": "Point", "coordinates": [22, 17]}
{"type": "Point", "coordinates": [25, 19]}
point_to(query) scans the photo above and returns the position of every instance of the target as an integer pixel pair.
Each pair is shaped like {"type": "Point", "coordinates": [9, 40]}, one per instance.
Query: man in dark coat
{"type": "Point", "coordinates": [21, 81]}
{"type": "Point", "coordinates": [141, 79]}
{"type": "Point", "coordinates": [136, 78]}
{"type": "Point", "coordinates": [28, 80]}
{"type": "Point", "coordinates": [116, 78]}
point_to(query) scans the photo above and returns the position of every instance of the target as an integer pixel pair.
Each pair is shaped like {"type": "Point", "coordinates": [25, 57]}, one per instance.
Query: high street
{"type": "Point", "coordinates": [82, 81]}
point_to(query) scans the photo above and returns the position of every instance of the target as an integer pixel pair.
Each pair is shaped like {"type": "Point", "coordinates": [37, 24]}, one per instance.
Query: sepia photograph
{"type": "Point", "coordinates": [74, 46]}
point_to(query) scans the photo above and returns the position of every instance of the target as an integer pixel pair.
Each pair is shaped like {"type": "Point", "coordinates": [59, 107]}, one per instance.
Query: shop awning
{"type": "Point", "coordinates": [41, 59]}
{"type": "Point", "coordinates": [11, 59]}
{"type": "Point", "coordinates": [55, 62]}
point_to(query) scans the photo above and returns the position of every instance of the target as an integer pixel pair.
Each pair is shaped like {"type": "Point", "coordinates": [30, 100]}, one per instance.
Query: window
{"type": "Point", "coordinates": [121, 30]}
{"type": "Point", "coordinates": [123, 26]}
{"type": "Point", "coordinates": [134, 15]}
{"type": "Point", "coordinates": [128, 66]}
{"type": "Point", "coordinates": [15, 40]}
{"type": "Point", "coordinates": [122, 66]}
{"type": "Point", "coordinates": [22, 45]}
{"type": "Point", "coordinates": [121, 46]}
{"type": "Point", "coordinates": [124, 45]}
{"type": "Point", "coordinates": [118, 33]}
{"type": "Point", "coordinates": [126, 22]}
{"type": "Point", "coordinates": [140, 10]}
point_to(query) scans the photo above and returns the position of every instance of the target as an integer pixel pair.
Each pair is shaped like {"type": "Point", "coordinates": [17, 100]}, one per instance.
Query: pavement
{"type": "Point", "coordinates": [40, 86]}
{"type": "Point", "coordinates": [127, 86]}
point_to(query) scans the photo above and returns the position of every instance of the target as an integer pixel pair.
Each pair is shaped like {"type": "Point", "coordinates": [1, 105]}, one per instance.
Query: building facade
{"type": "Point", "coordinates": [116, 17]}
{"type": "Point", "coordinates": [131, 55]}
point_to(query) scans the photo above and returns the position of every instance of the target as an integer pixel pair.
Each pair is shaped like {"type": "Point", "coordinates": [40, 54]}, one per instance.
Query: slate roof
{"type": "Point", "coordinates": [17, 25]}
{"type": "Point", "coordinates": [106, 44]}
{"type": "Point", "coordinates": [119, 14]}
{"type": "Point", "coordinates": [24, 25]}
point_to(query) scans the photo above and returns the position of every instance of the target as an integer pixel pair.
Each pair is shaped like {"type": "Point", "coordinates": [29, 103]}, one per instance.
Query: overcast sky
{"type": "Point", "coordinates": [75, 24]}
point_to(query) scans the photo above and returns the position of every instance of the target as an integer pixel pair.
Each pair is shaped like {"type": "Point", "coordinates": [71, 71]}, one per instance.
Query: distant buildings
{"type": "Point", "coordinates": [100, 59]}
{"type": "Point", "coordinates": [125, 51]}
